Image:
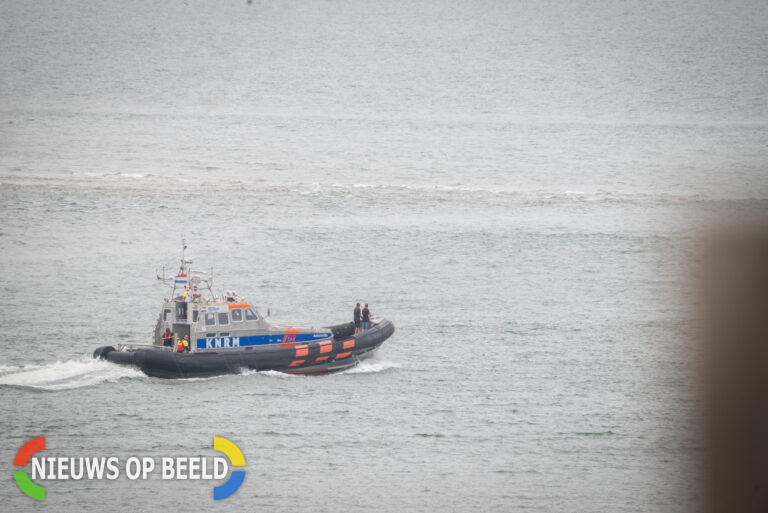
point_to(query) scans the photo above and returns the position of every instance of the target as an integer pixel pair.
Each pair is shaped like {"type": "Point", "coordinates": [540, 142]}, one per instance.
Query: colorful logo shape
{"type": "Point", "coordinates": [219, 492]}
{"type": "Point", "coordinates": [21, 476]}
{"type": "Point", "coordinates": [237, 460]}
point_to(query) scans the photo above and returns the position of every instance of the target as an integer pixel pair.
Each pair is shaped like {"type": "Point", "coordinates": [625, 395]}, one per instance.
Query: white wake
{"type": "Point", "coordinates": [66, 375]}
{"type": "Point", "coordinates": [371, 366]}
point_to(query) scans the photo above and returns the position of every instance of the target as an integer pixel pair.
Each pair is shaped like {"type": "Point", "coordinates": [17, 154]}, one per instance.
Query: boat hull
{"type": "Point", "coordinates": [343, 351]}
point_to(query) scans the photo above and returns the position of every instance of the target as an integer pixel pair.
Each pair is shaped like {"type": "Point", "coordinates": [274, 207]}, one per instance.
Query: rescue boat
{"type": "Point", "coordinates": [227, 335]}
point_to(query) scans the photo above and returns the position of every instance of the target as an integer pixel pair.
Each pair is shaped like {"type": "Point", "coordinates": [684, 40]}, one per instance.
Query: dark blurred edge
{"type": "Point", "coordinates": [735, 331]}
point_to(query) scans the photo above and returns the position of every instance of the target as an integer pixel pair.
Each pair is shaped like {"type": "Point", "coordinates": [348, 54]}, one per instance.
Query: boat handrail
{"type": "Point", "coordinates": [123, 347]}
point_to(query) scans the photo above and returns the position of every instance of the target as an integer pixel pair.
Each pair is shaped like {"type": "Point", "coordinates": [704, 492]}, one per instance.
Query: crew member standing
{"type": "Point", "coordinates": [181, 304]}
{"type": "Point", "coordinates": [357, 317]}
{"type": "Point", "coordinates": [366, 318]}
{"type": "Point", "coordinates": [168, 338]}
{"type": "Point", "coordinates": [182, 345]}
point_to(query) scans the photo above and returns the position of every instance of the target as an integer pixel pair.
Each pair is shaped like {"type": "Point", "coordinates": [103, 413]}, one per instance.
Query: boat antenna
{"type": "Point", "coordinates": [183, 251]}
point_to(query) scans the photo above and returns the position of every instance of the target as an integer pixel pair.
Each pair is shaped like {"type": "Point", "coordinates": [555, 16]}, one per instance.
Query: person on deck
{"type": "Point", "coordinates": [357, 317]}
{"type": "Point", "coordinates": [168, 338]}
{"type": "Point", "coordinates": [182, 345]}
{"type": "Point", "coordinates": [366, 318]}
{"type": "Point", "coordinates": [181, 304]}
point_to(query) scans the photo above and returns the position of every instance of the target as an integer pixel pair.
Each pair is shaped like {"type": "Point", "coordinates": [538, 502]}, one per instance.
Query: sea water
{"type": "Point", "coordinates": [516, 186]}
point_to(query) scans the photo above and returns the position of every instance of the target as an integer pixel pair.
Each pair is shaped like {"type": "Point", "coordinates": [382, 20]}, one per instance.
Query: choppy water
{"type": "Point", "coordinates": [514, 185]}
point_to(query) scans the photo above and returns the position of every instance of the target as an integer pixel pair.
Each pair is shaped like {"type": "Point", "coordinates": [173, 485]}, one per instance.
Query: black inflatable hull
{"type": "Point", "coordinates": [318, 357]}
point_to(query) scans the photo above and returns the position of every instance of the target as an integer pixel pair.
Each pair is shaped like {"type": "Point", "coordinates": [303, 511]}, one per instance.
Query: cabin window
{"type": "Point", "coordinates": [237, 315]}
{"type": "Point", "coordinates": [181, 311]}
{"type": "Point", "coordinates": [195, 315]}
{"type": "Point", "coordinates": [167, 314]}
{"type": "Point", "coordinates": [223, 318]}
{"type": "Point", "coordinates": [210, 319]}
{"type": "Point", "coordinates": [250, 316]}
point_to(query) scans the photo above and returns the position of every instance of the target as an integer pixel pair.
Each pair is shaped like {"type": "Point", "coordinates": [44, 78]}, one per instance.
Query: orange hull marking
{"type": "Point", "coordinates": [288, 336]}
{"type": "Point", "coordinates": [326, 346]}
{"type": "Point", "coordinates": [321, 358]}
{"type": "Point", "coordinates": [291, 344]}
{"type": "Point", "coordinates": [239, 305]}
{"type": "Point", "coordinates": [349, 344]}
{"type": "Point", "coordinates": [302, 350]}
{"type": "Point", "coordinates": [296, 363]}
{"type": "Point", "coordinates": [343, 355]}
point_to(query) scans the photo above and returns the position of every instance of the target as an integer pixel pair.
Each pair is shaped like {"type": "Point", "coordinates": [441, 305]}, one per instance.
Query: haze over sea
{"type": "Point", "coordinates": [514, 184]}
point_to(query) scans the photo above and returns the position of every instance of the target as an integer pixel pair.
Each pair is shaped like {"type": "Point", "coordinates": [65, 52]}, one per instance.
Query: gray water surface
{"type": "Point", "coordinates": [515, 186]}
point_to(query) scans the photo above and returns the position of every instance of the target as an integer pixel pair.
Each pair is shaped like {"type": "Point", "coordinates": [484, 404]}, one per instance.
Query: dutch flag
{"type": "Point", "coordinates": [181, 279]}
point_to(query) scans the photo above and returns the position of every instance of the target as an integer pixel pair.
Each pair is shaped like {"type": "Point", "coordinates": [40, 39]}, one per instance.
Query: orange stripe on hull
{"type": "Point", "coordinates": [321, 359]}
{"type": "Point", "coordinates": [296, 363]}
{"type": "Point", "coordinates": [288, 338]}
{"type": "Point", "coordinates": [327, 347]}
{"type": "Point", "coordinates": [343, 355]}
{"type": "Point", "coordinates": [289, 344]}
{"type": "Point", "coordinates": [349, 344]}
{"type": "Point", "coordinates": [239, 305]}
{"type": "Point", "coordinates": [302, 350]}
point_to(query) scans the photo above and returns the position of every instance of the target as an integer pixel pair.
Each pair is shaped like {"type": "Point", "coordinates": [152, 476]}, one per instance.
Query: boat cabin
{"type": "Point", "coordinates": [212, 322]}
